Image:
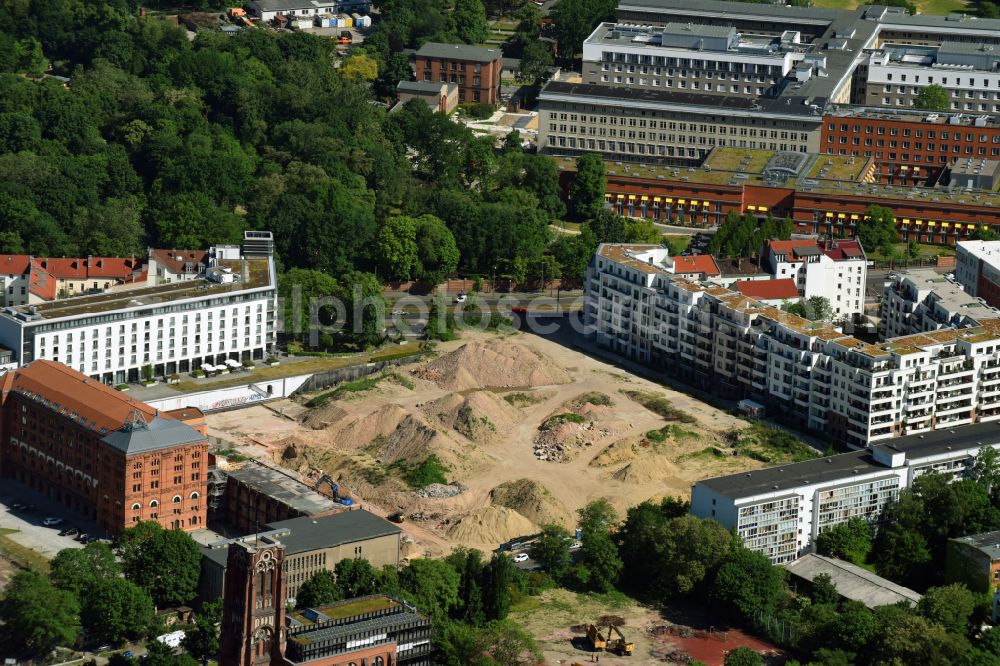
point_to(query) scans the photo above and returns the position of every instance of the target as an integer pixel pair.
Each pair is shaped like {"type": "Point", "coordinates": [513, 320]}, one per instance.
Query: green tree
{"type": "Point", "coordinates": [823, 590]}
{"type": "Point", "coordinates": [907, 638]}
{"type": "Point", "coordinates": [743, 656]}
{"type": "Point", "coordinates": [985, 233]}
{"type": "Point", "coordinates": [933, 98]}
{"type": "Point", "coordinates": [586, 192]}
{"type": "Point", "coordinates": [468, 562]}
{"type": "Point", "coordinates": [432, 585]}
{"type": "Point", "coordinates": [359, 67]}
{"type": "Point", "coordinates": [307, 301]}
{"type": "Point", "coordinates": [79, 570]}
{"type": "Point", "coordinates": [437, 253]}
{"type": "Point", "coordinates": [396, 247]}
{"type": "Point", "coordinates": [747, 583]}
{"type": "Point", "coordinates": [551, 550]}
{"type": "Point", "coordinates": [319, 589]}
{"type": "Point", "coordinates": [498, 577]}
{"type": "Point", "coordinates": [496, 644]}
{"type": "Point", "coordinates": [469, 17]}
{"type": "Point", "coordinates": [600, 563]}
{"type": "Point", "coordinates": [986, 470]}
{"type": "Point", "coordinates": [115, 610]}
{"type": "Point", "coordinates": [165, 563]}
{"type": "Point", "coordinates": [536, 59]}
{"type": "Point", "coordinates": [202, 640]}
{"type": "Point", "coordinates": [38, 616]}
{"type": "Point", "coordinates": [362, 295]}
{"type": "Point", "coordinates": [851, 541]}
{"type": "Point", "coordinates": [356, 577]}
{"type": "Point", "coordinates": [951, 606]}
{"type": "Point", "coordinates": [878, 230]}
{"type": "Point", "coordinates": [160, 654]}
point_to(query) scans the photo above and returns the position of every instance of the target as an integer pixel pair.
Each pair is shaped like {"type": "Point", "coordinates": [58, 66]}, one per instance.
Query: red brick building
{"type": "Point", "coordinates": [99, 452]}
{"type": "Point", "coordinates": [910, 148]}
{"type": "Point", "coordinates": [474, 69]}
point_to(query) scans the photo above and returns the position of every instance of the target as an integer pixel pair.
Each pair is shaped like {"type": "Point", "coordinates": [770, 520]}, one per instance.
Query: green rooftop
{"type": "Point", "coordinates": [350, 608]}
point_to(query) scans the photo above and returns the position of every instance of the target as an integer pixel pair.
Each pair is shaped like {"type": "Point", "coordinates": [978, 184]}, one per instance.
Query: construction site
{"type": "Point", "coordinates": [487, 439]}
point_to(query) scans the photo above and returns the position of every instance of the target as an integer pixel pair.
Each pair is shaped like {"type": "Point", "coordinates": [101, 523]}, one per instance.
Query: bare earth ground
{"type": "Point", "coordinates": [456, 410]}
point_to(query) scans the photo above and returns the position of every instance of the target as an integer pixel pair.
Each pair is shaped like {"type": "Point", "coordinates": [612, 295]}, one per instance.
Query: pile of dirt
{"type": "Point", "coordinates": [532, 500]}
{"type": "Point", "coordinates": [645, 471]}
{"type": "Point", "coordinates": [482, 416]}
{"type": "Point", "coordinates": [410, 549]}
{"type": "Point", "coordinates": [356, 431]}
{"type": "Point", "coordinates": [442, 491]}
{"type": "Point", "coordinates": [410, 441]}
{"type": "Point", "coordinates": [492, 364]}
{"type": "Point", "coordinates": [490, 526]}
{"type": "Point", "coordinates": [324, 417]}
{"type": "Point", "coordinates": [564, 434]}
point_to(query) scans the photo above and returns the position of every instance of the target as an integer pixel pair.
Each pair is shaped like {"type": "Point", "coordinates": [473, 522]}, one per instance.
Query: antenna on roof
{"type": "Point", "coordinates": [136, 421]}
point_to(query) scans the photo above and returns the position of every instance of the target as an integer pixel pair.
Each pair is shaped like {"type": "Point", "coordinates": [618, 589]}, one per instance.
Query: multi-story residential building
{"type": "Point", "coordinates": [228, 313]}
{"type": "Point", "coordinates": [923, 300]}
{"type": "Point", "coordinates": [812, 371]}
{"type": "Point", "coordinates": [836, 270]}
{"type": "Point", "coordinates": [977, 269]}
{"type": "Point", "coordinates": [176, 265]}
{"type": "Point", "coordinates": [974, 561]}
{"type": "Point", "coordinates": [476, 70]}
{"type": "Point", "coordinates": [311, 544]}
{"type": "Point", "coordinates": [779, 511]}
{"type": "Point", "coordinates": [99, 452]}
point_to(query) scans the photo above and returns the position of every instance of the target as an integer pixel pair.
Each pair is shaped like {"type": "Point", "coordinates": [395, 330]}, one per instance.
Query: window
{"type": "Point", "coordinates": [153, 504]}
{"type": "Point", "coordinates": [136, 507]}
{"type": "Point", "coordinates": [195, 495]}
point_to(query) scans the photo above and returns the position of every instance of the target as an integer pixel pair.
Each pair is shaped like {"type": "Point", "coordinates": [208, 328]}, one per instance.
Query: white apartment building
{"type": "Point", "coordinates": [811, 371]}
{"type": "Point", "coordinates": [779, 511]}
{"type": "Point", "coordinates": [977, 269]}
{"type": "Point", "coordinates": [836, 270]}
{"type": "Point", "coordinates": [923, 300]}
{"type": "Point", "coordinates": [229, 313]}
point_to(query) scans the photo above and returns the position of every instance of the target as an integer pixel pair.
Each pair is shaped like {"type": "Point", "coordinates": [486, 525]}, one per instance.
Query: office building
{"type": "Point", "coordinates": [97, 451]}
{"type": "Point", "coordinates": [836, 270]}
{"type": "Point", "coordinates": [226, 313]}
{"type": "Point", "coordinates": [812, 371]}
{"type": "Point", "coordinates": [312, 543]}
{"type": "Point", "coordinates": [977, 269]}
{"type": "Point", "coordinates": [923, 300]}
{"type": "Point", "coordinates": [377, 630]}
{"type": "Point", "coordinates": [474, 69]}
{"type": "Point", "coordinates": [779, 511]}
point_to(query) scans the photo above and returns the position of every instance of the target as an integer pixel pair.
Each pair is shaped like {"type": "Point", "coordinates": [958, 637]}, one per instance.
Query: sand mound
{"type": "Point", "coordinates": [644, 471]}
{"type": "Point", "coordinates": [354, 432]}
{"type": "Point", "coordinates": [492, 364]}
{"type": "Point", "coordinates": [490, 526]}
{"type": "Point", "coordinates": [410, 549]}
{"type": "Point", "coordinates": [409, 441]}
{"type": "Point", "coordinates": [482, 416]}
{"type": "Point", "coordinates": [531, 499]}
{"type": "Point", "coordinates": [323, 417]}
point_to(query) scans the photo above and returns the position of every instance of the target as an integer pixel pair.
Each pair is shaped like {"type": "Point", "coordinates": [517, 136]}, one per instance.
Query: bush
{"type": "Point", "coordinates": [558, 419]}
{"type": "Point", "coordinates": [477, 110]}
{"type": "Point", "coordinates": [356, 386]}
{"type": "Point", "coordinates": [431, 470]}
{"type": "Point", "coordinates": [661, 406]}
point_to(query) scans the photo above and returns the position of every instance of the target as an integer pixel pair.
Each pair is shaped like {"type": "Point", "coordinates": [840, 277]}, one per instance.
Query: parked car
{"type": "Point", "coordinates": [69, 531]}
{"type": "Point", "coordinates": [51, 521]}
{"type": "Point", "coordinates": [576, 545]}
{"type": "Point", "coordinates": [460, 298]}
{"type": "Point", "coordinates": [16, 506]}
{"type": "Point", "coordinates": [82, 537]}
{"type": "Point", "coordinates": [521, 557]}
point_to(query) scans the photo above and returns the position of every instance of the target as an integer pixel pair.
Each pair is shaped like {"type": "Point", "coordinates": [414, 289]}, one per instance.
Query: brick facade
{"type": "Point", "coordinates": [477, 78]}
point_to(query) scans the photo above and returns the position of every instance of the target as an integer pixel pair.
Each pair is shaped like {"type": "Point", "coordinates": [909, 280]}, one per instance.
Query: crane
{"type": "Point", "coordinates": [334, 487]}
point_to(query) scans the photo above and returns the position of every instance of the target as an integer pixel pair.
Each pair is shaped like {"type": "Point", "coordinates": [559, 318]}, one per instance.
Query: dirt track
{"type": "Point", "coordinates": [591, 469]}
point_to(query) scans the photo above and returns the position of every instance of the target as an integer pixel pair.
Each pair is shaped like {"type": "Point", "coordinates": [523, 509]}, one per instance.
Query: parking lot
{"type": "Point", "coordinates": [31, 533]}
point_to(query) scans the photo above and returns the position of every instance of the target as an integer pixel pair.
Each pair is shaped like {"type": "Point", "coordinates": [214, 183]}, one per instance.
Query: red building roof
{"type": "Point", "coordinates": [14, 264]}
{"type": "Point", "coordinates": [768, 289]}
{"type": "Point", "coordinates": [699, 263]}
{"type": "Point", "coordinates": [41, 283]}
{"type": "Point", "coordinates": [176, 260]}
{"type": "Point", "coordinates": [111, 267]}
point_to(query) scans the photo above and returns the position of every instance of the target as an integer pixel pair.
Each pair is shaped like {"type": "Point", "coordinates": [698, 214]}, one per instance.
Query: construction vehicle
{"type": "Point", "coordinates": [333, 492]}
{"type": "Point", "coordinates": [620, 646]}
{"type": "Point", "coordinates": [595, 638]}
{"type": "Point", "coordinates": [397, 517]}
{"type": "Point", "coordinates": [345, 37]}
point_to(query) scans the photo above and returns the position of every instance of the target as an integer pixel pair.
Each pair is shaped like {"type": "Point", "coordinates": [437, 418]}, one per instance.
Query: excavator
{"type": "Point", "coordinates": [620, 646]}
{"type": "Point", "coordinates": [595, 638]}
{"type": "Point", "coordinates": [333, 492]}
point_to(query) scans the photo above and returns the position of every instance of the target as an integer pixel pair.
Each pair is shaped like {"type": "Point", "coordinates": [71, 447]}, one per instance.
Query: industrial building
{"type": "Point", "coordinates": [311, 544]}
{"type": "Point", "coordinates": [226, 312]}
{"type": "Point", "coordinates": [779, 511]}
{"type": "Point", "coordinates": [852, 582]}
{"type": "Point", "coordinates": [812, 371]}
{"type": "Point", "coordinates": [256, 495]}
{"type": "Point", "coordinates": [99, 452]}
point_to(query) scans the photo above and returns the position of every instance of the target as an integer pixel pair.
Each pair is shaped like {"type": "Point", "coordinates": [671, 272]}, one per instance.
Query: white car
{"type": "Point", "coordinates": [521, 557]}
{"type": "Point", "coordinates": [460, 298]}
{"type": "Point", "coordinates": [49, 522]}
{"type": "Point", "coordinates": [576, 545]}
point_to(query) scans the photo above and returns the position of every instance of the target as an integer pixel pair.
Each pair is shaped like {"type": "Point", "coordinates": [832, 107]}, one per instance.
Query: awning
{"type": "Point", "coordinates": [621, 196]}
{"type": "Point", "coordinates": [751, 207]}
{"type": "Point", "coordinates": [829, 214]}
{"type": "Point", "coordinates": [656, 199]}
{"type": "Point", "coordinates": [906, 220]}
{"type": "Point", "coordinates": [631, 197]}
{"type": "Point", "coordinates": [931, 223]}
{"type": "Point", "coordinates": [644, 198]}
{"type": "Point", "coordinates": [918, 222]}
{"type": "Point", "coordinates": [854, 217]}
{"type": "Point", "coordinates": [682, 201]}
{"type": "Point", "coordinates": [233, 363]}
{"type": "Point", "coordinates": [841, 216]}
{"type": "Point", "coordinates": [762, 209]}
{"type": "Point", "coordinates": [944, 225]}
{"type": "Point", "coordinates": [958, 225]}
{"type": "Point", "coordinates": [669, 200]}
{"type": "Point", "coordinates": [706, 203]}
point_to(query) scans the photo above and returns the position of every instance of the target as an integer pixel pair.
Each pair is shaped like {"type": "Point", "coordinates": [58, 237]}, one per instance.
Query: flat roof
{"type": "Point", "coordinates": [283, 5]}
{"type": "Point", "coordinates": [459, 52]}
{"type": "Point", "coordinates": [258, 276]}
{"type": "Point", "coordinates": [306, 533]}
{"type": "Point", "coordinates": [987, 542]}
{"type": "Point", "coordinates": [283, 488]}
{"type": "Point", "coordinates": [845, 465]}
{"type": "Point", "coordinates": [852, 581]}
{"type": "Point", "coordinates": [425, 86]}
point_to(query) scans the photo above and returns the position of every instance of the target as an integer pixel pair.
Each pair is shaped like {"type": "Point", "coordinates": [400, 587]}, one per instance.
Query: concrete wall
{"type": "Point", "coordinates": [234, 396]}
{"type": "Point", "coordinates": [968, 565]}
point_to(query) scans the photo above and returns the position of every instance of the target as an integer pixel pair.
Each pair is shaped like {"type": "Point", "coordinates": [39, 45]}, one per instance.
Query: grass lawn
{"type": "Point", "coordinates": [20, 554]}
{"type": "Point", "coordinates": [938, 7]}
{"type": "Point", "coordinates": [310, 365]}
{"type": "Point", "coordinates": [677, 243]}
{"type": "Point", "coordinates": [926, 250]}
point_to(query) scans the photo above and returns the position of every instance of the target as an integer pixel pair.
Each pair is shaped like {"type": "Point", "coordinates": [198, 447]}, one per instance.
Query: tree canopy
{"type": "Point", "coordinates": [165, 563]}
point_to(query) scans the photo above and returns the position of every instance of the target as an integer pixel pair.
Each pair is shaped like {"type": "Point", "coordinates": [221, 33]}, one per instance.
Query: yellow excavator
{"type": "Point", "coordinates": [618, 645]}
{"type": "Point", "coordinates": [595, 638]}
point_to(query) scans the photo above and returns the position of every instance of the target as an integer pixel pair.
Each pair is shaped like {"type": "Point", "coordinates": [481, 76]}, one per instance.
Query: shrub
{"type": "Point", "coordinates": [431, 470]}
{"type": "Point", "coordinates": [558, 419]}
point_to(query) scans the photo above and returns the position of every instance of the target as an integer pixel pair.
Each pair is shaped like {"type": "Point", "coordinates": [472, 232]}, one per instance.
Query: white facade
{"type": "Point", "coordinates": [920, 301]}
{"type": "Point", "coordinates": [977, 269]}
{"type": "Point", "coordinates": [824, 269]}
{"type": "Point", "coordinates": [780, 511]}
{"type": "Point", "coordinates": [813, 372]}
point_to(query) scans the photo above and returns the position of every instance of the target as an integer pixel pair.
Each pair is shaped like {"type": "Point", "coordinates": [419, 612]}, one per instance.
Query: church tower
{"type": "Point", "coordinates": [253, 613]}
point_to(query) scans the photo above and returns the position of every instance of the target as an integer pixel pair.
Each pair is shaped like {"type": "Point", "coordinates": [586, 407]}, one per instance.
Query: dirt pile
{"type": "Point", "coordinates": [490, 526]}
{"type": "Point", "coordinates": [482, 416]}
{"type": "Point", "coordinates": [442, 491]}
{"type": "Point", "coordinates": [532, 500]}
{"type": "Point", "coordinates": [352, 432]}
{"type": "Point", "coordinates": [493, 363]}
{"type": "Point", "coordinates": [410, 441]}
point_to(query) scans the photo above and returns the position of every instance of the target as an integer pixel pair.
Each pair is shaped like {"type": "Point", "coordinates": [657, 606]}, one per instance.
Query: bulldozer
{"type": "Point", "coordinates": [595, 638]}
{"type": "Point", "coordinates": [619, 646]}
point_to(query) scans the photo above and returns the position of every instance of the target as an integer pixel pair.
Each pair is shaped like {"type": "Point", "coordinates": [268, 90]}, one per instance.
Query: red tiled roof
{"type": "Point", "coordinates": [174, 260]}
{"type": "Point", "coordinates": [41, 283]}
{"type": "Point", "coordinates": [88, 398]}
{"type": "Point", "coordinates": [699, 263]}
{"type": "Point", "coordinates": [111, 267]}
{"type": "Point", "coordinates": [838, 250]}
{"type": "Point", "coordinates": [844, 249]}
{"type": "Point", "coordinates": [787, 246]}
{"type": "Point", "coordinates": [14, 264]}
{"type": "Point", "coordinates": [63, 269]}
{"type": "Point", "coordinates": [767, 289]}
